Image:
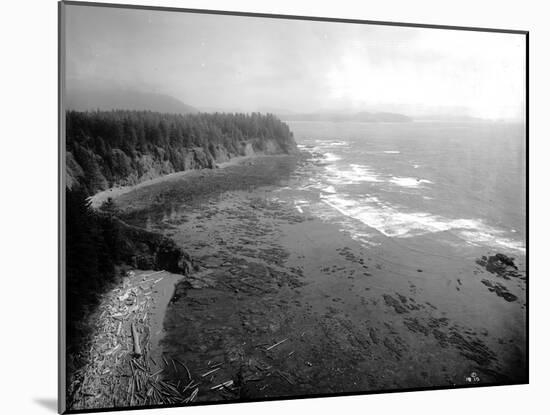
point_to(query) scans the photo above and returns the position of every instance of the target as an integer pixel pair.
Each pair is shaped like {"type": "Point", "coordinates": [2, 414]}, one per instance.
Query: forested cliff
{"type": "Point", "coordinates": [109, 148]}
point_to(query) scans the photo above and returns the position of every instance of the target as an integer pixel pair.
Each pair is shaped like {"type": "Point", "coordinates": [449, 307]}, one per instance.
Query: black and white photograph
{"type": "Point", "coordinates": [265, 207]}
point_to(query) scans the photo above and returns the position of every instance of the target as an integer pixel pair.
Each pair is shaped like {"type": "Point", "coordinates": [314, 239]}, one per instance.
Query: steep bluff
{"type": "Point", "coordinates": [142, 249]}
{"type": "Point", "coordinates": [111, 148]}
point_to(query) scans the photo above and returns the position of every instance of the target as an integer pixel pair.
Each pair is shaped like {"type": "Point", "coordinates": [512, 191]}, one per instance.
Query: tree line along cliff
{"type": "Point", "coordinates": [110, 148]}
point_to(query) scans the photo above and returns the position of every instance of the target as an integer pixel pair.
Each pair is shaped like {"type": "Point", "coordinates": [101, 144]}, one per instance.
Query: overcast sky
{"type": "Point", "coordinates": [249, 64]}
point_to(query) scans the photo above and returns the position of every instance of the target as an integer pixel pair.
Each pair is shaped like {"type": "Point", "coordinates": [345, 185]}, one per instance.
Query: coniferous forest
{"type": "Point", "coordinates": [109, 148]}
{"type": "Point", "coordinates": [91, 255]}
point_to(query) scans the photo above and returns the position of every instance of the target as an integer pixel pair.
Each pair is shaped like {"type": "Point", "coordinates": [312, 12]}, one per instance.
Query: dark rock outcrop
{"type": "Point", "coordinates": [499, 290]}
{"type": "Point", "coordinates": [500, 265]}
{"type": "Point", "coordinates": [142, 249]}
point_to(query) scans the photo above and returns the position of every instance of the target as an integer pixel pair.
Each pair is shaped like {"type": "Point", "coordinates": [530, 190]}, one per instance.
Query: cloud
{"type": "Point", "coordinates": [245, 63]}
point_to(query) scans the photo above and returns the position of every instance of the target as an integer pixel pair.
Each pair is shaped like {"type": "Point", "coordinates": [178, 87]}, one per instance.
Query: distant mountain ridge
{"type": "Point", "coordinates": [358, 116]}
{"type": "Point", "coordinates": [89, 99]}
{"type": "Point", "coordinates": [450, 118]}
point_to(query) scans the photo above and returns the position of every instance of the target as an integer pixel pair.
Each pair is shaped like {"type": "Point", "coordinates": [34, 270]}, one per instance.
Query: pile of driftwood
{"type": "Point", "coordinates": [121, 370]}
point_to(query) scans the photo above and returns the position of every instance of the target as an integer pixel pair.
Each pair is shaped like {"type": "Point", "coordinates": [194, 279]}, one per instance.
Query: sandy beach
{"type": "Point", "coordinates": [106, 380]}
{"type": "Point", "coordinates": [285, 304]}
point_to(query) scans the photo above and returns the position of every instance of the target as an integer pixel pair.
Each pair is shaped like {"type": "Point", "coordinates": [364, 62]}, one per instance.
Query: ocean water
{"type": "Point", "coordinates": [455, 185]}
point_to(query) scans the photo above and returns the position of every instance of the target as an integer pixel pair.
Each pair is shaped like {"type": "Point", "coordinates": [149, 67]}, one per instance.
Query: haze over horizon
{"type": "Point", "coordinates": [230, 63]}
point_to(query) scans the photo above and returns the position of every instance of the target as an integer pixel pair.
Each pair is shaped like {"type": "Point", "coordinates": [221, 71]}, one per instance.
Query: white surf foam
{"type": "Point", "coordinates": [355, 174]}
{"type": "Point", "coordinates": [331, 157]}
{"type": "Point", "coordinates": [331, 143]}
{"type": "Point", "coordinates": [392, 152]}
{"type": "Point", "coordinates": [337, 144]}
{"type": "Point", "coordinates": [485, 238]}
{"type": "Point", "coordinates": [393, 222]}
{"type": "Point", "coordinates": [329, 189]}
{"type": "Point", "coordinates": [408, 181]}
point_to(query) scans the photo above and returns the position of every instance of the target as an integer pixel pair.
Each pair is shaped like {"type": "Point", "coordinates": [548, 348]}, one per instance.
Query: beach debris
{"type": "Point", "coordinates": [222, 385]}
{"type": "Point", "coordinates": [473, 378]}
{"type": "Point", "coordinates": [135, 335]}
{"type": "Point", "coordinates": [284, 376]}
{"type": "Point", "coordinates": [185, 367]}
{"type": "Point", "coordinates": [210, 372]}
{"type": "Point", "coordinates": [110, 352]}
{"type": "Point", "coordinates": [158, 372]}
{"type": "Point", "coordinates": [276, 344]}
{"type": "Point", "coordinates": [118, 368]}
{"type": "Point", "coordinates": [151, 274]}
{"type": "Point", "coordinates": [192, 397]}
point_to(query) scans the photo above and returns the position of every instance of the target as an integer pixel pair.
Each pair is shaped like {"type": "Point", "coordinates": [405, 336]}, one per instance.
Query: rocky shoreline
{"type": "Point", "coordinates": [110, 374]}
{"type": "Point", "coordinates": [322, 302]}
{"type": "Point", "coordinates": [279, 303]}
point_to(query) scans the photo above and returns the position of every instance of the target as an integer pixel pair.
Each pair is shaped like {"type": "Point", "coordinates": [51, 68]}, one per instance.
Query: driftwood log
{"type": "Point", "coordinates": [135, 335]}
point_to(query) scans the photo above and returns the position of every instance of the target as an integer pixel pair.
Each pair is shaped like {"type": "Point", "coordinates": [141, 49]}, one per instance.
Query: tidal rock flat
{"type": "Point", "coordinates": [283, 303]}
